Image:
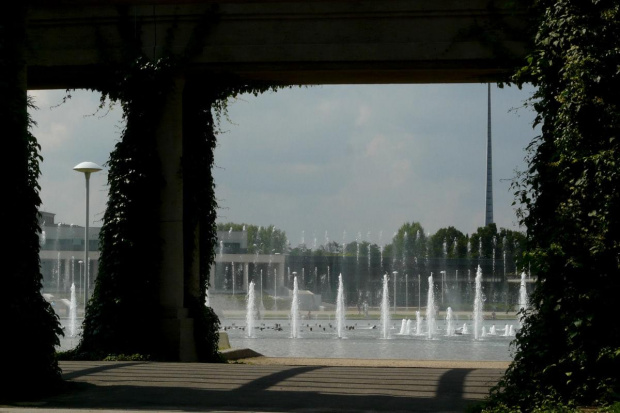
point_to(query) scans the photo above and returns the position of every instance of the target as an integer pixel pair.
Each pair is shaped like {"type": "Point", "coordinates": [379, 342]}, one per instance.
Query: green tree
{"type": "Point", "coordinates": [448, 236]}
{"type": "Point", "coordinates": [410, 239]}
{"type": "Point", "coordinates": [567, 351]}
{"type": "Point", "coordinates": [332, 248]}
{"type": "Point", "coordinates": [484, 242]}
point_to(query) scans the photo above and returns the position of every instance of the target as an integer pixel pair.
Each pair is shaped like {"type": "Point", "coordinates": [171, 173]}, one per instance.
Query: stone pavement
{"type": "Point", "coordinates": [261, 384]}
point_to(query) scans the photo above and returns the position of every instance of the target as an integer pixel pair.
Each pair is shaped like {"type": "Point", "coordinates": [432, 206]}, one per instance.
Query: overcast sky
{"type": "Point", "coordinates": [321, 160]}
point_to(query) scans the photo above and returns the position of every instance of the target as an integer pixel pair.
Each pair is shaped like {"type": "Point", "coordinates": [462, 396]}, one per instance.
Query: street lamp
{"type": "Point", "coordinates": [419, 291]}
{"type": "Point", "coordinates": [86, 168]}
{"type": "Point", "coordinates": [406, 292]}
{"type": "Point", "coordinates": [82, 282]}
{"type": "Point", "coordinates": [443, 278]}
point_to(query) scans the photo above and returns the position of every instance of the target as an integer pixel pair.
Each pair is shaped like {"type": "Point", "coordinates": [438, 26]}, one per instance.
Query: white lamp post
{"type": "Point", "coordinates": [82, 282]}
{"type": "Point", "coordinates": [395, 273]}
{"type": "Point", "coordinates": [443, 280]}
{"type": "Point", "coordinates": [87, 168]}
{"type": "Point", "coordinates": [406, 292]}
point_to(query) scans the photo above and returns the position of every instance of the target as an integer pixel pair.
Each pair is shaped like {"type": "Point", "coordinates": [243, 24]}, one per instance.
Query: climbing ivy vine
{"type": "Point", "coordinates": [30, 327]}
{"type": "Point", "coordinates": [122, 316]}
{"type": "Point", "coordinates": [568, 351]}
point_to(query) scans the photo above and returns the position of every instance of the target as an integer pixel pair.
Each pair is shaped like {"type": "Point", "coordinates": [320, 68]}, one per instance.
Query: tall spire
{"type": "Point", "coordinates": [488, 219]}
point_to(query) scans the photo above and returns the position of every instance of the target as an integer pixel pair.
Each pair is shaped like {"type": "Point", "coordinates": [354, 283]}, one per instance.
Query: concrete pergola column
{"type": "Point", "coordinates": [177, 327]}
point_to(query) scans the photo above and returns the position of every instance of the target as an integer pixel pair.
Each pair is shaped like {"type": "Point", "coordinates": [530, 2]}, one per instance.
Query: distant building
{"type": "Point", "coordinates": [234, 267]}
{"type": "Point", "coordinates": [232, 242]}
{"type": "Point", "coordinates": [62, 254]}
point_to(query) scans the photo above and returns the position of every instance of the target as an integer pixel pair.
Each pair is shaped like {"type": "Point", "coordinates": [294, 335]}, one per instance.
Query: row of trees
{"type": "Point", "coordinates": [410, 240]}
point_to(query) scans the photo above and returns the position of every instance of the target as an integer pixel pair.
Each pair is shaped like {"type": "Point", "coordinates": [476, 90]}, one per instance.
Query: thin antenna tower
{"type": "Point", "coordinates": [488, 219]}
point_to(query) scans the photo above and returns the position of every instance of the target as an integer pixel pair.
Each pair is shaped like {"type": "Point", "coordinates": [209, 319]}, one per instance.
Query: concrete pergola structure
{"type": "Point", "coordinates": [294, 42]}
{"type": "Point", "coordinates": [243, 261]}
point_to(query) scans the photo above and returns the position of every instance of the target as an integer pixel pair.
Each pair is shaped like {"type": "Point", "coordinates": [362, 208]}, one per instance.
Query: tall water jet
{"type": "Point", "coordinates": [523, 294]}
{"type": "Point", "coordinates": [340, 314]}
{"type": "Point", "coordinates": [430, 308]}
{"type": "Point", "coordinates": [408, 327]}
{"type": "Point", "coordinates": [72, 312]}
{"type": "Point", "coordinates": [250, 311]}
{"type": "Point", "coordinates": [403, 326]}
{"type": "Point", "coordinates": [418, 323]}
{"type": "Point", "coordinates": [449, 319]}
{"type": "Point", "coordinates": [478, 304]}
{"type": "Point", "coordinates": [385, 308]}
{"type": "Point", "coordinates": [295, 311]}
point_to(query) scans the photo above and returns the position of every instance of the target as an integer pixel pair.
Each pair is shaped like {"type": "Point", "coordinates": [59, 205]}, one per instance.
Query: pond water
{"type": "Point", "coordinates": [363, 340]}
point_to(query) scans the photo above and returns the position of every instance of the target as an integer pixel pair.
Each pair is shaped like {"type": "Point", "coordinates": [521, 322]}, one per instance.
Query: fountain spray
{"type": "Point", "coordinates": [478, 304]}
{"type": "Point", "coordinates": [295, 311]}
{"type": "Point", "coordinates": [385, 308]}
{"type": "Point", "coordinates": [251, 306]}
{"type": "Point", "coordinates": [449, 319]}
{"type": "Point", "coordinates": [340, 317]}
{"type": "Point", "coordinates": [73, 312]}
{"type": "Point", "coordinates": [430, 308]}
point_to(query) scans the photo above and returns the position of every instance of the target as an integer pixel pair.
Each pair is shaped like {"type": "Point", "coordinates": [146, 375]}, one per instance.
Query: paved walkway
{"type": "Point", "coordinates": [263, 384]}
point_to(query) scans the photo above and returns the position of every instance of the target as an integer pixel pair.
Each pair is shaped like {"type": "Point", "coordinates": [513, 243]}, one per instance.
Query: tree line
{"type": "Point", "coordinates": [410, 240]}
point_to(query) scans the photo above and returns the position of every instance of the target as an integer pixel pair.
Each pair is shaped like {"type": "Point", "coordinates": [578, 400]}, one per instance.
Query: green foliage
{"type": "Point", "coordinates": [567, 351]}
{"type": "Point", "coordinates": [30, 326]}
{"type": "Point", "coordinates": [124, 313]}
{"type": "Point", "coordinates": [488, 240]}
{"type": "Point", "coordinates": [410, 238]}
{"type": "Point", "coordinates": [127, 287]}
{"type": "Point", "coordinates": [453, 240]}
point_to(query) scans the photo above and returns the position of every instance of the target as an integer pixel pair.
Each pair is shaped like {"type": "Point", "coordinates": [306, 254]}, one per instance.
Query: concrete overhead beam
{"type": "Point", "coordinates": [289, 42]}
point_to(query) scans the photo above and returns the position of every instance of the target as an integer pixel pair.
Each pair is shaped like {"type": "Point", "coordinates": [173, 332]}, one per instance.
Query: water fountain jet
{"type": "Point", "coordinates": [522, 296]}
{"type": "Point", "coordinates": [250, 311]}
{"type": "Point", "coordinates": [340, 308]}
{"type": "Point", "coordinates": [478, 304]}
{"type": "Point", "coordinates": [449, 318]}
{"type": "Point", "coordinates": [418, 323]}
{"type": "Point", "coordinates": [72, 312]}
{"type": "Point", "coordinates": [385, 308]}
{"type": "Point", "coordinates": [430, 308]}
{"type": "Point", "coordinates": [295, 311]}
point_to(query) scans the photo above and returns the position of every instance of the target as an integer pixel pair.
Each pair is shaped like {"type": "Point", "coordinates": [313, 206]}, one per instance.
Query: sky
{"type": "Point", "coordinates": [320, 162]}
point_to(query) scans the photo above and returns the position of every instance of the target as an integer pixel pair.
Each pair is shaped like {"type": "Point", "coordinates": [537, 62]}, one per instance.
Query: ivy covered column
{"type": "Point", "coordinates": [30, 327]}
{"type": "Point", "coordinates": [177, 326]}
{"type": "Point", "coordinates": [199, 211]}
